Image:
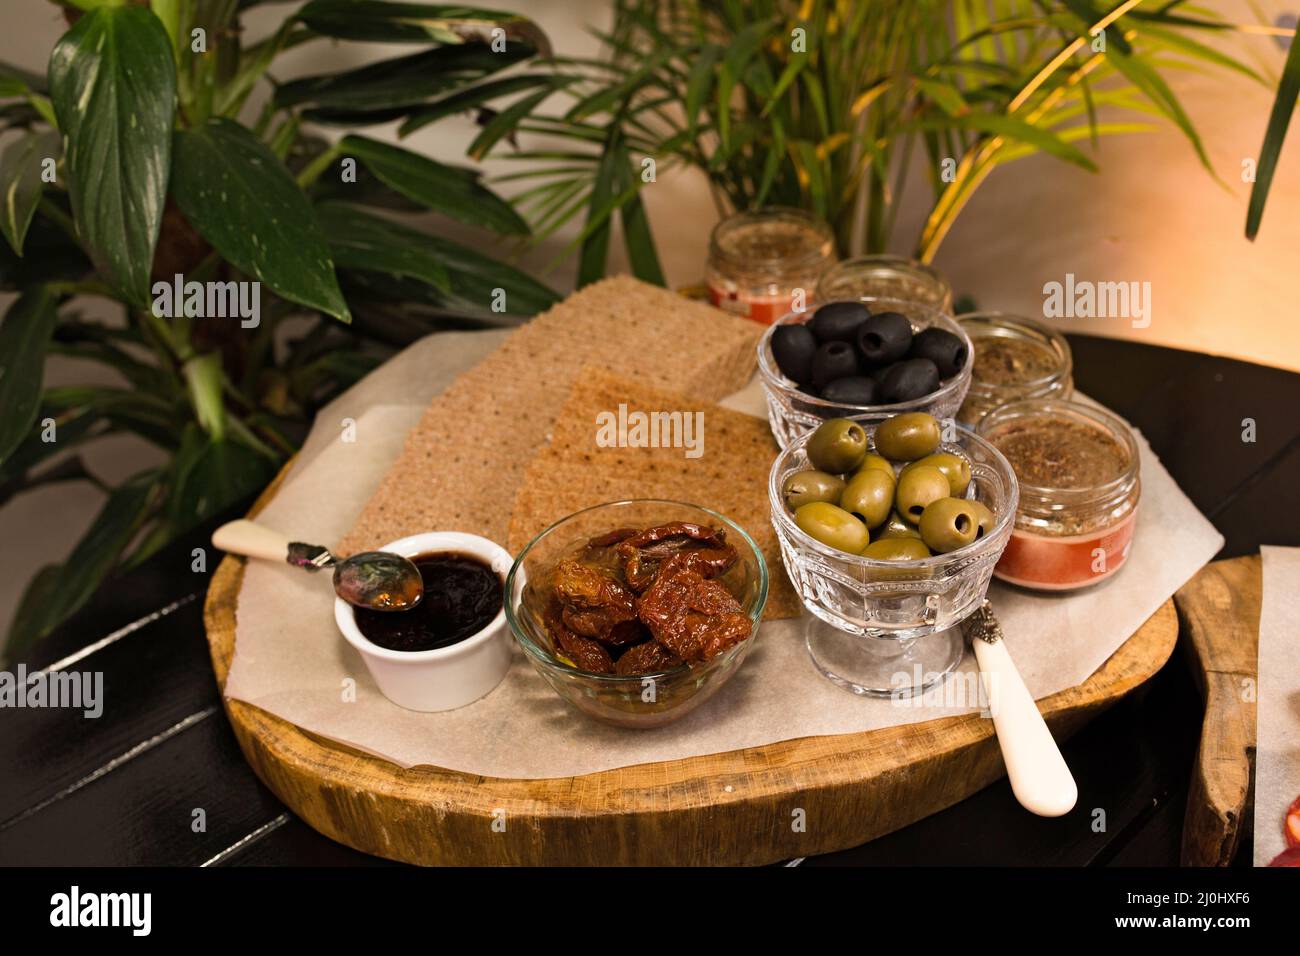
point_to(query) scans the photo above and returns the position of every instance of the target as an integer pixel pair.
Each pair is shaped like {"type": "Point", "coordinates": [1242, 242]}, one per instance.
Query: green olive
{"type": "Point", "coordinates": [948, 524]}
{"type": "Point", "coordinates": [869, 495]}
{"type": "Point", "coordinates": [917, 487]}
{"type": "Point", "coordinates": [955, 468]}
{"type": "Point", "coordinates": [832, 526]}
{"type": "Point", "coordinates": [837, 446]}
{"type": "Point", "coordinates": [877, 462]}
{"type": "Point", "coordinates": [896, 527]}
{"type": "Point", "coordinates": [984, 517]}
{"type": "Point", "coordinates": [908, 437]}
{"type": "Point", "coordinates": [896, 549]}
{"type": "Point", "coordinates": [805, 486]}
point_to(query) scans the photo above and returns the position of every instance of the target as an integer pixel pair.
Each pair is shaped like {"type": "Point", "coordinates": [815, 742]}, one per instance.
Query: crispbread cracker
{"type": "Point", "coordinates": [464, 461]}
{"type": "Point", "coordinates": [730, 477]}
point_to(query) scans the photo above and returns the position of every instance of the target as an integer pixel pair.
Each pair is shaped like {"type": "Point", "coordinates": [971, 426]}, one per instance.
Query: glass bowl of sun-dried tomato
{"type": "Point", "coordinates": [638, 611]}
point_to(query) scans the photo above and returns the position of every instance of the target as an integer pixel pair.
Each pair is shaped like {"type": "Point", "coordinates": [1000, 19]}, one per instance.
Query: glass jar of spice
{"type": "Point", "coordinates": [885, 276]}
{"type": "Point", "coordinates": [765, 263]}
{"type": "Point", "coordinates": [1079, 488]}
{"type": "Point", "coordinates": [1015, 358]}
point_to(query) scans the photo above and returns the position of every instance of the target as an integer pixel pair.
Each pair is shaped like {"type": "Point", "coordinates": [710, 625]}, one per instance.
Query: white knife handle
{"type": "Point", "coordinates": [1039, 776]}
{"type": "Point", "coordinates": [251, 540]}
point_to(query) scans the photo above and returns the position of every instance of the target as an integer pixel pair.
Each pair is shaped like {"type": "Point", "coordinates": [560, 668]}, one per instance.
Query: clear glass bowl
{"type": "Point", "coordinates": [643, 700]}
{"type": "Point", "coordinates": [891, 628]}
{"type": "Point", "coordinates": [885, 275]}
{"type": "Point", "coordinates": [793, 413]}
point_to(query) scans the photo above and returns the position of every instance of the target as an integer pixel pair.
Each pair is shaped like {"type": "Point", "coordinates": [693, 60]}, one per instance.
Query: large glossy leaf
{"type": "Point", "coordinates": [473, 278]}
{"type": "Point", "coordinates": [403, 81]}
{"type": "Point", "coordinates": [59, 590]}
{"type": "Point", "coordinates": [450, 190]}
{"type": "Point", "coordinates": [113, 85]}
{"type": "Point", "coordinates": [1274, 135]}
{"type": "Point", "coordinates": [24, 334]}
{"type": "Point", "coordinates": [385, 22]}
{"type": "Point", "coordinates": [243, 201]}
{"type": "Point", "coordinates": [211, 475]}
{"type": "Point", "coordinates": [376, 244]}
{"type": "Point", "coordinates": [20, 182]}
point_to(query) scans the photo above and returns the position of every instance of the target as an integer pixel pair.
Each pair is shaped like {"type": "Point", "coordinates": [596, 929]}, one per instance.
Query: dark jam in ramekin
{"type": "Point", "coordinates": [462, 595]}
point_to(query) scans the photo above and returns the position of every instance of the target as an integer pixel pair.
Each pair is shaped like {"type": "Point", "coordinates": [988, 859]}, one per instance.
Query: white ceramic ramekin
{"type": "Point", "coordinates": [447, 677]}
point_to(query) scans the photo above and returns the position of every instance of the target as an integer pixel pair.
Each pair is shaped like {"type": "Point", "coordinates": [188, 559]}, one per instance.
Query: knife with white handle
{"type": "Point", "coordinates": [1039, 776]}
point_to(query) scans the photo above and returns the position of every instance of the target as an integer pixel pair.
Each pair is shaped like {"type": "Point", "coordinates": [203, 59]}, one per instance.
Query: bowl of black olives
{"type": "Point", "coordinates": [869, 356]}
{"type": "Point", "coordinates": [890, 525]}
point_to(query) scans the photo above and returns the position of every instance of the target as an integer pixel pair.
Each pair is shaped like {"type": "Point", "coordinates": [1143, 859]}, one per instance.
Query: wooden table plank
{"type": "Point", "coordinates": [142, 813]}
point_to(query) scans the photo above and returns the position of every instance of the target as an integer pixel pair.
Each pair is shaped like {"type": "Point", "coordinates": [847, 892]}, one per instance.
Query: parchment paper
{"type": "Point", "coordinates": [291, 661]}
{"type": "Point", "coordinates": [1277, 751]}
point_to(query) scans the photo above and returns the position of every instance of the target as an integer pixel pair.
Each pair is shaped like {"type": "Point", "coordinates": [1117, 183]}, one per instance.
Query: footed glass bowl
{"type": "Point", "coordinates": [792, 412]}
{"type": "Point", "coordinates": [892, 628]}
{"type": "Point", "coordinates": [642, 700]}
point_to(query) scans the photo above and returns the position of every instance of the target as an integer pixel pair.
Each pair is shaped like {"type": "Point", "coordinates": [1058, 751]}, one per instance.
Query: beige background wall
{"type": "Point", "coordinates": [1152, 215]}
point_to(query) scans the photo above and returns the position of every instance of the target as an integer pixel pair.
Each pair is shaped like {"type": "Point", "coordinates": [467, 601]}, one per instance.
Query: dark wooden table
{"type": "Point", "coordinates": [158, 779]}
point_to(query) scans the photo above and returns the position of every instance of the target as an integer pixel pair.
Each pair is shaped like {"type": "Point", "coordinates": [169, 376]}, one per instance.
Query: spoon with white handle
{"type": "Point", "coordinates": [1038, 773]}
{"type": "Point", "coordinates": [377, 580]}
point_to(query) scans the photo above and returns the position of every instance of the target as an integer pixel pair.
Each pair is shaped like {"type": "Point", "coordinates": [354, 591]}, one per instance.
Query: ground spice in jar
{"type": "Point", "coordinates": [1079, 488]}
{"type": "Point", "coordinates": [1060, 454]}
{"type": "Point", "coordinates": [1007, 361]}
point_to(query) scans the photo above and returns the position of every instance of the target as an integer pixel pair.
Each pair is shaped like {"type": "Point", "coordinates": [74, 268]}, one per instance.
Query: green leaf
{"type": "Point", "coordinates": [450, 190]}
{"type": "Point", "coordinates": [211, 475]}
{"type": "Point", "coordinates": [375, 244]}
{"type": "Point", "coordinates": [24, 334]}
{"type": "Point", "coordinates": [203, 376]}
{"type": "Point", "coordinates": [385, 22]}
{"type": "Point", "coordinates": [1279, 119]}
{"type": "Point", "coordinates": [474, 278]}
{"type": "Point", "coordinates": [243, 201]}
{"type": "Point", "coordinates": [1012, 128]}
{"type": "Point", "coordinates": [474, 96]}
{"type": "Point", "coordinates": [59, 590]}
{"type": "Point", "coordinates": [20, 182]}
{"type": "Point", "coordinates": [600, 206]}
{"type": "Point", "coordinates": [113, 85]}
{"type": "Point", "coordinates": [400, 82]}
{"type": "Point", "coordinates": [504, 123]}
{"type": "Point", "coordinates": [15, 81]}
{"type": "Point", "coordinates": [699, 84]}
{"type": "Point", "coordinates": [637, 237]}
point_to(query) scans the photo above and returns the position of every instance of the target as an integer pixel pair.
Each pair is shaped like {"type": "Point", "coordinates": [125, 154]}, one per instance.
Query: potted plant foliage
{"type": "Point", "coordinates": [143, 155]}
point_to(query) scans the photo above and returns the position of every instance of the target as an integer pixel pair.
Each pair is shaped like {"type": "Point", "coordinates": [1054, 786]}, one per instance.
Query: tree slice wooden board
{"type": "Point", "coordinates": [753, 806]}
{"type": "Point", "coordinates": [1219, 613]}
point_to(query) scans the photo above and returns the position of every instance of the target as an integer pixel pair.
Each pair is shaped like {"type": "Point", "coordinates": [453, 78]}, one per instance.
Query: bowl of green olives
{"type": "Point", "coordinates": [646, 696]}
{"type": "Point", "coordinates": [869, 356]}
{"type": "Point", "coordinates": [890, 525]}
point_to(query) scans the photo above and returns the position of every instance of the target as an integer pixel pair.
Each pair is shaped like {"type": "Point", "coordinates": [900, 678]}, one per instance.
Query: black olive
{"type": "Point", "coordinates": [854, 390]}
{"type": "Point", "coordinates": [831, 361]}
{"type": "Point", "coordinates": [838, 321]}
{"type": "Point", "coordinates": [884, 338]}
{"type": "Point", "coordinates": [908, 380]}
{"type": "Point", "coordinates": [793, 347]}
{"type": "Point", "coordinates": [941, 347]}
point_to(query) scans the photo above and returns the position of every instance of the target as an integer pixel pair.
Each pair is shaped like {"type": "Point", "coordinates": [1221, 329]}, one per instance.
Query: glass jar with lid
{"type": "Point", "coordinates": [765, 263]}
{"type": "Point", "coordinates": [1078, 470]}
{"type": "Point", "coordinates": [893, 277]}
{"type": "Point", "coordinates": [1015, 358]}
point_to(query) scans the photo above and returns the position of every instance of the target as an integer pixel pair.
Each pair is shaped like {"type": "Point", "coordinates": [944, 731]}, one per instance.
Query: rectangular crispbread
{"type": "Point", "coordinates": [575, 471]}
{"type": "Point", "coordinates": [464, 461]}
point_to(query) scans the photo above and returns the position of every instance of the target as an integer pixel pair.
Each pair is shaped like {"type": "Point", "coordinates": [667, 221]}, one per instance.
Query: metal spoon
{"type": "Point", "coordinates": [375, 580]}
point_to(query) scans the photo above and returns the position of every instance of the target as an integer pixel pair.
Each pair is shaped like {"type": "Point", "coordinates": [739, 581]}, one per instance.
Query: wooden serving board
{"type": "Point", "coordinates": [1219, 613]}
{"type": "Point", "coordinates": [731, 808]}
